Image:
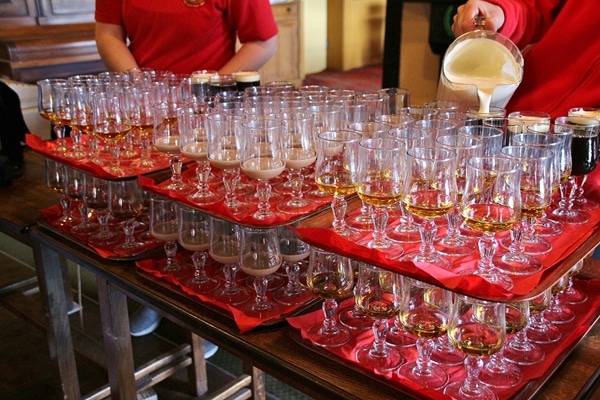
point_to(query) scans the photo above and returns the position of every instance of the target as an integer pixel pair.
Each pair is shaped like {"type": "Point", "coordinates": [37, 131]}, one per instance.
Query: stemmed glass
{"type": "Point", "coordinates": [56, 181]}
{"type": "Point", "coordinates": [81, 117]}
{"type": "Point", "coordinates": [581, 202]}
{"type": "Point", "coordinates": [430, 191]}
{"type": "Point", "coordinates": [95, 195]}
{"type": "Point", "coordinates": [557, 312]}
{"type": "Point", "coordinates": [520, 350]}
{"type": "Point", "coordinates": [139, 103]}
{"type": "Point", "coordinates": [293, 252]}
{"type": "Point", "coordinates": [491, 203]}
{"type": "Point", "coordinates": [584, 158]}
{"type": "Point", "coordinates": [259, 257]}
{"type": "Point", "coordinates": [225, 249]}
{"type": "Point", "coordinates": [536, 195]}
{"type": "Point", "coordinates": [378, 295]}
{"type": "Point", "coordinates": [299, 152]}
{"type": "Point", "coordinates": [465, 147]}
{"type": "Point", "coordinates": [167, 139]}
{"type": "Point", "coordinates": [86, 226]}
{"type": "Point", "coordinates": [570, 294]}
{"type": "Point", "coordinates": [477, 328]}
{"type": "Point", "coordinates": [540, 329]}
{"type": "Point", "coordinates": [262, 159]}
{"type": "Point", "coordinates": [164, 226]}
{"type": "Point", "coordinates": [335, 173]}
{"type": "Point", "coordinates": [224, 152]}
{"type": "Point", "coordinates": [379, 184]}
{"type": "Point", "coordinates": [407, 231]}
{"type": "Point", "coordinates": [191, 120]}
{"type": "Point", "coordinates": [126, 203]}
{"type": "Point", "coordinates": [330, 276]}
{"type": "Point", "coordinates": [111, 124]}
{"type": "Point", "coordinates": [559, 143]}
{"type": "Point", "coordinates": [424, 312]}
{"type": "Point", "coordinates": [498, 372]}
{"type": "Point", "coordinates": [48, 109]}
{"type": "Point", "coordinates": [194, 235]}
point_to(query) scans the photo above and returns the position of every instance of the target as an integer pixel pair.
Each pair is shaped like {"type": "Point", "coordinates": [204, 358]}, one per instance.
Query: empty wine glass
{"type": "Point", "coordinates": [86, 226]}
{"type": "Point", "coordinates": [293, 252]}
{"type": "Point", "coordinates": [56, 181]}
{"type": "Point", "coordinates": [194, 235]}
{"type": "Point", "coordinates": [126, 203]}
{"type": "Point", "coordinates": [330, 276]}
{"type": "Point", "coordinates": [225, 249]}
{"type": "Point", "coordinates": [558, 312]}
{"type": "Point", "coordinates": [430, 191]}
{"type": "Point", "coordinates": [572, 295]}
{"type": "Point", "coordinates": [335, 173]}
{"type": "Point", "coordinates": [139, 103]}
{"type": "Point", "coordinates": [164, 226]}
{"type": "Point", "coordinates": [378, 295]}
{"type": "Point", "coordinates": [491, 203]}
{"type": "Point", "coordinates": [424, 312]}
{"type": "Point", "coordinates": [95, 195]}
{"type": "Point", "coordinates": [262, 159]}
{"type": "Point", "coordinates": [478, 328]}
{"type": "Point", "coordinates": [259, 257]}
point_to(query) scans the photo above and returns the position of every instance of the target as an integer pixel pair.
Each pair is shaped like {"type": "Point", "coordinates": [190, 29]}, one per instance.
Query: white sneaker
{"type": "Point", "coordinates": [144, 321]}
{"type": "Point", "coordinates": [210, 349]}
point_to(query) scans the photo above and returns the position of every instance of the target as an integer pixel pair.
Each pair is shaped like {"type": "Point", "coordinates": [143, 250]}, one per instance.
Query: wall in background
{"type": "Point", "coordinates": [314, 25]}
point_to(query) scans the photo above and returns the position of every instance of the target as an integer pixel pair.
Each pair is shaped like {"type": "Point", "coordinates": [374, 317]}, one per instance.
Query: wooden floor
{"type": "Point", "coordinates": [26, 371]}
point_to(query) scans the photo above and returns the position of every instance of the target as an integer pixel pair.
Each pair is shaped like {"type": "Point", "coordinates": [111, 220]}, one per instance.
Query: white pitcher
{"type": "Point", "coordinates": [480, 68]}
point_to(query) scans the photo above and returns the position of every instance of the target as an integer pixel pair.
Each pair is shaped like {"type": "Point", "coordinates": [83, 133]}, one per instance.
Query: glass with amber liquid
{"type": "Point", "coordinates": [491, 204]}
{"type": "Point", "coordinates": [430, 191]}
{"type": "Point", "coordinates": [477, 328]}
{"type": "Point", "coordinates": [111, 124]}
{"type": "Point", "coordinates": [335, 173]}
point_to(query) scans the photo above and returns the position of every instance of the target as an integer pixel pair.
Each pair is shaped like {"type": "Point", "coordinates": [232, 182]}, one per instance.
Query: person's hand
{"type": "Point", "coordinates": [464, 20]}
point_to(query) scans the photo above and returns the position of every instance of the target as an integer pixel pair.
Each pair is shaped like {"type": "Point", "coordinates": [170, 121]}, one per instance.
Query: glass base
{"type": "Point", "coordinates": [572, 216]}
{"type": "Point", "coordinates": [559, 315]}
{"type": "Point", "coordinates": [544, 334]}
{"type": "Point", "coordinates": [398, 337]}
{"type": "Point", "coordinates": [455, 247]}
{"type": "Point", "coordinates": [534, 246]}
{"type": "Point", "coordinates": [524, 354]}
{"type": "Point", "coordinates": [353, 319]}
{"type": "Point", "coordinates": [388, 360]}
{"type": "Point", "coordinates": [202, 285]}
{"type": "Point", "coordinates": [433, 259]}
{"type": "Point", "coordinates": [517, 264]}
{"type": "Point", "coordinates": [432, 377]}
{"type": "Point", "coordinates": [292, 297]}
{"type": "Point", "coordinates": [266, 310]}
{"type": "Point", "coordinates": [457, 390]}
{"type": "Point", "coordinates": [501, 375]}
{"type": "Point", "coordinates": [338, 337]}
{"type": "Point", "coordinates": [404, 234]}
{"type": "Point", "coordinates": [233, 296]}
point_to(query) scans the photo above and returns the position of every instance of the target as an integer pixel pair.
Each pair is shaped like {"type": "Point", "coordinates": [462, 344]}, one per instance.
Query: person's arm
{"type": "Point", "coordinates": [251, 56]}
{"type": "Point", "coordinates": [464, 19]}
{"type": "Point", "coordinates": [112, 47]}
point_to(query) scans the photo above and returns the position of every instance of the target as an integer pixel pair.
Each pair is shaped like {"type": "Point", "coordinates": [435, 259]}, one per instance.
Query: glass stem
{"type": "Point", "coordinates": [339, 206]}
{"type": "Point", "coordinates": [176, 164]}
{"type": "Point", "coordinates": [231, 177]}
{"type": "Point", "coordinates": [487, 249]}
{"type": "Point", "coordinates": [424, 347]}
{"type": "Point", "coordinates": [428, 231]}
{"type": "Point", "coordinates": [263, 190]}
{"type": "Point", "coordinates": [329, 310]}
{"type": "Point", "coordinates": [203, 174]}
{"type": "Point", "coordinates": [380, 220]}
{"type": "Point", "coordinates": [380, 330]}
{"type": "Point", "coordinates": [473, 366]}
{"type": "Point", "coordinates": [260, 286]}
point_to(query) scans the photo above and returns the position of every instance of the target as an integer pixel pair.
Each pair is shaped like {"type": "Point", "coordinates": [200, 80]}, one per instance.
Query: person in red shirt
{"type": "Point", "coordinates": [560, 43]}
{"type": "Point", "coordinates": [183, 36]}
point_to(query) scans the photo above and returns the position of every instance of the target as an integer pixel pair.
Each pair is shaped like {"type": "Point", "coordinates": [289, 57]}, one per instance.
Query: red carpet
{"type": "Point", "coordinates": [363, 80]}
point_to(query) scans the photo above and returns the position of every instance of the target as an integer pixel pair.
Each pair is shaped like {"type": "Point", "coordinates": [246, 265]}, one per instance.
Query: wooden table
{"type": "Point", "coordinates": [271, 349]}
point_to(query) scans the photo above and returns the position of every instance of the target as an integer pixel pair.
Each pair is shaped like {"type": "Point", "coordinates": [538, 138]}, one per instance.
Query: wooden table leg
{"type": "Point", "coordinates": [117, 340]}
{"type": "Point", "coordinates": [51, 280]}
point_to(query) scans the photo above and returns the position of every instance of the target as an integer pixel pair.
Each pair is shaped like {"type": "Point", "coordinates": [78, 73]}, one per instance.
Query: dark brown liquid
{"type": "Point", "coordinates": [584, 154]}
